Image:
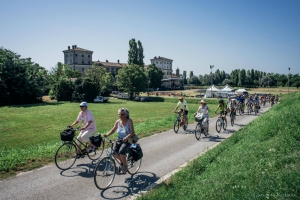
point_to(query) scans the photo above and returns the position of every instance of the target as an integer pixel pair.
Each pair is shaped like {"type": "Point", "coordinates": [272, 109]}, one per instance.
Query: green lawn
{"type": "Point", "coordinates": [31, 133]}
{"type": "Point", "coordinates": [260, 161]}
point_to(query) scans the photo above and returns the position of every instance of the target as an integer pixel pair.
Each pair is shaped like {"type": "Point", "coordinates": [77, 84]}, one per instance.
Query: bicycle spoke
{"type": "Point", "coordinates": [65, 156]}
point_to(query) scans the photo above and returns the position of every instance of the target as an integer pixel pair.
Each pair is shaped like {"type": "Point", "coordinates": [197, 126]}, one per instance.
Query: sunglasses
{"type": "Point", "coordinates": [121, 114]}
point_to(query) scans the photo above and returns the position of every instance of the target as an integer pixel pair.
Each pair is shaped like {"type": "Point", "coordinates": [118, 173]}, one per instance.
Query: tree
{"type": "Point", "coordinates": [21, 80]}
{"type": "Point", "coordinates": [191, 74]}
{"type": "Point", "coordinates": [242, 77]}
{"type": "Point", "coordinates": [102, 80]}
{"type": "Point", "coordinates": [194, 80]}
{"type": "Point", "coordinates": [132, 79]}
{"type": "Point", "coordinates": [184, 77]}
{"type": "Point", "coordinates": [155, 75]}
{"type": "Point", "coordinates": [268, 80]}
{"type": "Point", "coordinates": [140, 55]}
{"type": "Point", "coordinates": [133, 53]}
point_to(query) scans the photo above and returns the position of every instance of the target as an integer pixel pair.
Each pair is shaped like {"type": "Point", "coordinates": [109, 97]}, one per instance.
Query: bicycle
{"type": "Point", "coordinates": [66, 154]}
{"type": "Point", "coordinates": [178, 120]}
{"type": "Point", "coordinates": [106, 168]}
{"type": "Point", "coordinates": [232, 116]}
{"type": "Point", "coordinates": [221, 123]}
{"type": "Point", "coordinates": [249, 108]}
{"type": "Point", "coordinates": [202, 124]}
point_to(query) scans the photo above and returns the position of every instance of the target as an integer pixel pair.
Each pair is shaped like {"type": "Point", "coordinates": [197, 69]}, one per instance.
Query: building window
{"type": "Point", "coordinates": [66, 55]}
{"type": "Point", "coordinates": [88, 56]}
{"type": "Point", "coordinates": [89, 62]}
{"type": "Point", "coordinates": [73, 67]}
{"type": "Point", "coordinates": [82, 55]}
{"type": "Point", "coordinates": [75, 54]}
{"type": "Point", "coordinates": [82, 62]}
{"type": "Point", "coordinates": [107, 69]}
{"type": "Point", "coordinates": [156, 62]}
{"type": "Point", "coordinates": [83, 69]}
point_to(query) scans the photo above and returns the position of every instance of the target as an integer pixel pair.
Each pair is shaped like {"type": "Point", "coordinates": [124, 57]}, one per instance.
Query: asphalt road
{"type": "Point", "coordinates": [163, 153]}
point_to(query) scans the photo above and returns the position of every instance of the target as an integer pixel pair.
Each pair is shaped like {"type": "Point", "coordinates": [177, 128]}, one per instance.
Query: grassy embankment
{"type": "Point", "coordinates": [30, 133]}
{"type": "Point", "coordinates": [261, 161]}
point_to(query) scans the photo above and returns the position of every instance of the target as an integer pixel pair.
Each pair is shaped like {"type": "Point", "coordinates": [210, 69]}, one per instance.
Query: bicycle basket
{"type": "Point", "coordinates": [199, 117]}
{"type": "Point", "coordinates": [96, 140]}
{"type": "Point", "coordinates": [67, 135]}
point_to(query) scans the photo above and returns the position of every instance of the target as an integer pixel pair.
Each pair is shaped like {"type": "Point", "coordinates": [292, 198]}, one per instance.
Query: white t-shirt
{"type": "Point", "coordinates": [203, 110]}
{"type": "Point", "coordinates": [182, 104]}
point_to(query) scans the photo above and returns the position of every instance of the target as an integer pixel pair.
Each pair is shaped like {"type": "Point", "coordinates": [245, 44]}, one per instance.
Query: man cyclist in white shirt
{"type": "Point", "coordinates": [182, 104]}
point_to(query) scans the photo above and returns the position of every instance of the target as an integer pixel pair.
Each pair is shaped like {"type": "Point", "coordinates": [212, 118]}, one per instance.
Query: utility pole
{"type": "Point", "coordinates": [211, 66]}
{"type": "Point", "coordinates": [289, 82]}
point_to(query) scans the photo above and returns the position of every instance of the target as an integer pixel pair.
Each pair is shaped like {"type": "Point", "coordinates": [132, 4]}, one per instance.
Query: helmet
{"type": "Point", "coordinates": [83, 104]}
{"type": "Point", "coordinates": [221, 101]}
{"type": "Point", "coordinates": [180, 98]}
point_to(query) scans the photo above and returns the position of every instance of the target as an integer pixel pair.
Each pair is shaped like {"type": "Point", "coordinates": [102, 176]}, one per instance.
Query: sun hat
{"type": "Point", "coordinates": [202, 101]}
{"type": "Point", "coordinates": [83, 104]}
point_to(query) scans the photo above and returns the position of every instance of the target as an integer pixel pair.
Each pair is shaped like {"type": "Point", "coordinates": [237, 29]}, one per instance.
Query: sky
{"type": "Point", "coordinates": [262, 35]}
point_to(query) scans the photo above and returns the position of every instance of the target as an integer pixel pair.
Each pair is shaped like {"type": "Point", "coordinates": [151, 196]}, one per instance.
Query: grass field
{"type": "Point", "coordinates": [31, 133]}
{"type": "Point", "coordinates": [260, 161]}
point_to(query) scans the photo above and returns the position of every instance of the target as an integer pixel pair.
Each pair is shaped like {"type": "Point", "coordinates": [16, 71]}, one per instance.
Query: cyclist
{"type": "Point", "coordinates": [276, 98]}
{"type": "Point", "coordinates": [232, 107]}
{"type": "Point", "coordinates": [183, 109]}
{"type": "Point", "coordinates": [250, 102]}
{"type": "Point", "coordinates": [204, 109]}
{"type": "Point", "coordinates": [262, 99]}
{"type": "Point", "coordinates": [241, 99]}
{"type": "Point", "coordinates": [125, 129]}
{"type": "Point", "coordinates": [223, 109]}
{"type": "Point", "coordinates": [88, 127]}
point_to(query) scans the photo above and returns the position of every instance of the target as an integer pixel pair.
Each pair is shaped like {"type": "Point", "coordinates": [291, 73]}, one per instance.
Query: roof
{"type": "Point", "coordinates": [77, 49]}
{"type": "Point", "coordinates": [213, 88]}
{"type": "Point", "coordinates": [159, 57]}
{"type": "Point", "coordinates": [109, 64]}
{"type": "Point", "coordinates": [227, 88]}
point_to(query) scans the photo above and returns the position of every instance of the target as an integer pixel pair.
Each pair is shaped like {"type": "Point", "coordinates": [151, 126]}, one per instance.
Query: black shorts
{"type": "Point", "coordinates": [121, 147]}
{"type": "Point", "coordinates": [185, 112]}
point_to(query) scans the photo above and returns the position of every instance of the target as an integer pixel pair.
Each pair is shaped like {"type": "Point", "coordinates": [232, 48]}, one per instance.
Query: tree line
{"type": "Point", "coordinates": [242, 78]}
{"type": "Point", "coordinates": [23, 81]}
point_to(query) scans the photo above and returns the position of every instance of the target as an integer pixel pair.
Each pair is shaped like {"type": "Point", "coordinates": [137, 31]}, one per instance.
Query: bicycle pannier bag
{"type": "Point", "coordinates": [96, 140]}
{"type": "Point", "coordinates": [67, 135]}
{"type": "Point", "coordinates": [137, 152]}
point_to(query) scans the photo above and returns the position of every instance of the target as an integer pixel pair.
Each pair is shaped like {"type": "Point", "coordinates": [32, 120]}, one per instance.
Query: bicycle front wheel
{"type": "Point", "coordinates": [198, 131]}
{"type": "Point", "coordinates": [232, 119]}
{"type": "Point", "coordinates": [96, 154]}
{"type": "Point", "coordinates": [218, 125]}
{"type": "Point", "coordinates": [132, 165]}
{"type": "Point", "coordinates": [224, 124]}
{"type": "Point", "coordinates": [65, 156]}
{"type": "Point", "coordinates": [176, 125]}
{"type": "Point", "coordinates": [104, 173]}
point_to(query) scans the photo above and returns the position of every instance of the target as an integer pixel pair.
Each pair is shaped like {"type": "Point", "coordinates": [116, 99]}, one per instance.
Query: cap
{"type": "Point", "coordinates": [83, 104]}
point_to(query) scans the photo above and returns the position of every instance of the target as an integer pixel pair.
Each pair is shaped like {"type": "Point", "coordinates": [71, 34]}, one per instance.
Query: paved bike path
{"type": "Point", "coordinates": [163, 153]}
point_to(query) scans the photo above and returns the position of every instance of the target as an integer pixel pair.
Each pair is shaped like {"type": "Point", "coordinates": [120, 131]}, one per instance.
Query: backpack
{"type": "Point", "coordinates": [136, 152]}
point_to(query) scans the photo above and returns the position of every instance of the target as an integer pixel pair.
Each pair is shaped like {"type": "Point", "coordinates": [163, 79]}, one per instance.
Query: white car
{"type": "Point", "coordinates": [101, 99]}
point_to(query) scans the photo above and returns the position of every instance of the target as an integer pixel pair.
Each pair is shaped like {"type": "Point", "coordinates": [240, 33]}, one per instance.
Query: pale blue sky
{"type": "Point", "coordinates": [229, 34]}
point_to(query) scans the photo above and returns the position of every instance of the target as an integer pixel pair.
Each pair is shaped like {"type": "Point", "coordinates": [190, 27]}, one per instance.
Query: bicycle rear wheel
{"type": "Point", "coordinates": [176, 125]}
{"type": "Point", "coordinates": [65, 156]}
{"type": "Point", "coordinates": [104, 173]}
{"type": "Point", "coordinates": [96, 154]}
{"type": "Point", "coordinates": [218, 125]}
{"type": "Point", "coordinates": [132, 165]}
